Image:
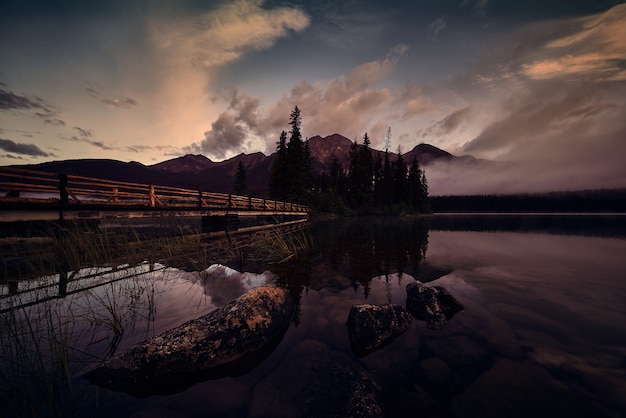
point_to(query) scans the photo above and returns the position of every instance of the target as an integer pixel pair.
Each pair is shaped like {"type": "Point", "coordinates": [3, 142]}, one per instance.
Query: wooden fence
{"type": "Point", "coordinates": [40, 188]}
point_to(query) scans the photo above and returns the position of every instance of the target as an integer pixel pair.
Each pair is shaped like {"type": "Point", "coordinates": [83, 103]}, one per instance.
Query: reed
{"type": "Point", "coordinates": [45, 345]}
{"type": "Point", "coordinates": [277, 245]}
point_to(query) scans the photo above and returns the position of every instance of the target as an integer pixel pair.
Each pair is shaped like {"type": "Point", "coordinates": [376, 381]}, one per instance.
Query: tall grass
{"type": "Point", "coordinates": [276, 245]}
{"type": "Point", "coordinates": [47, 341]}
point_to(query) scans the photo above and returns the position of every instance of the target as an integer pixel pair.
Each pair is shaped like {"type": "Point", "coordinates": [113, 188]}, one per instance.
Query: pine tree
{"type": "Point", "coordinates": [291, 177]}
{"type": "Point", "coordinates": [278, 176]}
{"type": "Point", "coordinates": [415, 186]}
{"type": "Point", "coordinates": [366, 171]}
{"type": "Point", "coordinates": [241, 182]}
{"type": "Point", "coordinates": [387, 189]}
{"type": "Point", "coordinates": [400, 179]}
{"type": "Point", "coordinates": [378, 182]}
{"type": "Point", "coordinates": [425, 199]}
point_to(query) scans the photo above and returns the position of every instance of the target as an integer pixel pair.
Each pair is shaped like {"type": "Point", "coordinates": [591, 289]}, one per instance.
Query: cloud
{"type": "Point", "coordinates": [123, 102]}
{"type": "Point", "coordinates": [436, 27]}
{"type": "Point", "coordinates": [83, 133]}
{"type": "Point", "coordinates": [54, 122]}
{"type": "Point", "coordinates": [227, 33]}
{"type": "Point", "coordinates": [596, 50]}
{"type": "Point", "coordinates": [85, 136]}
{"type": "Point", "coordinates": [21, 148]}
{"type": "Point", "coordinates": [478, 7]}
{"type": "Point", "coordinates": [349, 104]}
{"type": "Point", "coordinates": [190, 51]}
{"type": "Point", "coordinates": [558, 88]}
{"type": "Point", "coordinates": [448, 124]}
{"type": "Point", "coordinates": [10, 100]}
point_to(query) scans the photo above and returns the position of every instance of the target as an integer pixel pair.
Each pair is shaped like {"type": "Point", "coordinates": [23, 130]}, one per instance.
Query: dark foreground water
{"type": "Point", "coordinates": [543, 332]}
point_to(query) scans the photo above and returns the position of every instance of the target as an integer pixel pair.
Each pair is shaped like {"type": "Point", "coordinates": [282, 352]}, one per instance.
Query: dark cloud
{"type": "Point", "coordinates": [122, 102]}
{"type": "Point", "coordinates": [54, 122]}
{"type": "Point", "coordinates": [21, 148]}
{"type": "Point", "coordinates": [436, 27]}
{"type": "Point", "coordinates": [226, 134]}
{"type": "Point", "coordinates": [11, 156]}
{"type": "Point", "coordinates": [86, 136]}
{"type": "Point", "coordinates": [536, 117]}
{"type": "Point", "coordinates": [10, 100]}
{"type": "Point", "coordinates": [448, 124]}
{"type": "Point", "coordinates": [83, 133]}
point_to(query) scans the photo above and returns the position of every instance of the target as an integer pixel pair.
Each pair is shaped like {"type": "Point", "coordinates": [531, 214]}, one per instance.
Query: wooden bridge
{"type": "Point", "coordinates": [39, 195]}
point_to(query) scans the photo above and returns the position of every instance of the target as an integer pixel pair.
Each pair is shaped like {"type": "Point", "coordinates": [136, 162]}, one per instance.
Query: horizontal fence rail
{"type": "Point", "coordinates": [30, 187]}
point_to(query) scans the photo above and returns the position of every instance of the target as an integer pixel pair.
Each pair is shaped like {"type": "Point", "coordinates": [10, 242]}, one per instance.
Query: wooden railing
{"type": "Point", "coordinates": [18, 185]}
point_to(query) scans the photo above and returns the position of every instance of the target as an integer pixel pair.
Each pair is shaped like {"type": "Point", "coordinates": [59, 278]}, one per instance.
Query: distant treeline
{"type": "Point", "coordinates": [593, 201]}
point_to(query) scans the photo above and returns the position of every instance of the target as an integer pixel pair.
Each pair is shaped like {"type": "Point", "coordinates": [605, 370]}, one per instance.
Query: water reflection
{"type": "Point", "coordinates": [543, 331]}
{"type": "Point", "coordinates": [361, 249]}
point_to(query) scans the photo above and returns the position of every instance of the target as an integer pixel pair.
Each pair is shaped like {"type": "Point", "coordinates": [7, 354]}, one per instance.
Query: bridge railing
{"type": "Point", "coordinates": [18, 185]}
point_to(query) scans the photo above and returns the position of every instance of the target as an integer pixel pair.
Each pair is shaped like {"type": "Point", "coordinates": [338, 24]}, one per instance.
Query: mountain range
{"type": "Point", "coordinates": [200, 173]}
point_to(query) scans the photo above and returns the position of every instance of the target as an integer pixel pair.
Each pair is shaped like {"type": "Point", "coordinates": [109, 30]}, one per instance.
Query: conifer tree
{"type": "Point", "coordinates": [241, 182]}
{"type": "Point", "coordinates": [291, 173]}
{"type": "Point", "coordinates": [278, 175]}
{"type": "Point", "coordinates": [400, 179]}
{"type": "Point", "coordinates": [378, 182]}
{"type": "Point", "coordinates": [387, 188]}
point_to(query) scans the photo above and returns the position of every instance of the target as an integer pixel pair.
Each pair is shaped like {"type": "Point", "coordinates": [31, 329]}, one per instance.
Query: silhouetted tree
{"type": "Point", "coordinates": [360, 175]}
{"type": "Point", "coordinates": [418, 188]}
{"type": "Point", "coordinates": [291, 178]}
{"type": "Point", "coordinates": [241, 182]}
{"type": "Point", "coordinates": [400, 173]}
{"type": "Point", "coordinates": [279, 174]}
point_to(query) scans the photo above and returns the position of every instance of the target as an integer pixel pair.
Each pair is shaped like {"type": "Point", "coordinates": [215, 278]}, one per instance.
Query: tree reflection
{"type": "Point", "coordinates": [363, 248]}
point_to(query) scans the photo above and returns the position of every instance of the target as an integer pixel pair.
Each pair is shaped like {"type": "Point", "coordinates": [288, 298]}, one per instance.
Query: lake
{"type": "Point", "coordinates": [542, 333]}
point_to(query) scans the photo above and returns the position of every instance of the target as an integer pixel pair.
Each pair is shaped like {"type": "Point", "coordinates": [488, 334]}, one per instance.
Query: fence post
{"type": "Point", "coordinates": [152, 197]}
{"type": "Point", "coordinates": [63, 189]}
{"type": "Point", "coordinates": [249, 202]}
{"type": "Point", "coordinates": [199, 198]}
{"type": "Point", "coordinates": [115, 194]}
{"type": "Point", "coordinates": [63, 195]}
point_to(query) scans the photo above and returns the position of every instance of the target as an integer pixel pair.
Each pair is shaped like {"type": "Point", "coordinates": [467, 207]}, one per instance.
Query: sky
{"type": "Point", "coordinates": [539, 87]}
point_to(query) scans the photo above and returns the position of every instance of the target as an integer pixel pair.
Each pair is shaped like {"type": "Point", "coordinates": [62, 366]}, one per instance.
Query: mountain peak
{"type": "Point", "coordinates": [193, 163]}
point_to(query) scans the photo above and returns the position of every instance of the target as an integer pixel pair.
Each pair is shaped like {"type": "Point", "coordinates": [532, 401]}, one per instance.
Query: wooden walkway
{"type": "Point", "coordinates": [29, 194]}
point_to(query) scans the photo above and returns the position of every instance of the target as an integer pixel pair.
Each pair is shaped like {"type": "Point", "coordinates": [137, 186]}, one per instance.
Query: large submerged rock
{"type": "Point", "coordinates": [372, 326]}
{"type": "Point", "coordinates": [435, 305]}
{"type": "Point", "coordinates": [315, 380]}
{"type": "Point", "coordinates": [230, 340]}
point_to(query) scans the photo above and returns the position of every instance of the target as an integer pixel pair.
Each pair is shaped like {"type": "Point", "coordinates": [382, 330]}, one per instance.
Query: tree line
{"type": "Point", "coordinates": [603, 200]}
{"type": "Point", "coordinates": [369, 186]}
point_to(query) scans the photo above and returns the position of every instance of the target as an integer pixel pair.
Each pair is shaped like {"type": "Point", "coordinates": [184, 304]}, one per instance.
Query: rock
{"type": "Point", "coordinates": [314, 380]}
{"type": "Point", "coordinates": [435, 305]}
{"type": "Point", "coordinates": [371, 326]}
{"type": "Point", "coordinates": [435, 371]}
{"type": "Point", "coordinates": [230, 340]}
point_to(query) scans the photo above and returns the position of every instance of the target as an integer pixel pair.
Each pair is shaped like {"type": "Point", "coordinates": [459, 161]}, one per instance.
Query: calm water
{"type": "Point", "coordinates": [543, 332]}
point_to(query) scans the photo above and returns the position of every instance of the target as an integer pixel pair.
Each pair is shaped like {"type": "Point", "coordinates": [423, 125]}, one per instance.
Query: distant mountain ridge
{"type": "Point", "coordinates": [201, 173]}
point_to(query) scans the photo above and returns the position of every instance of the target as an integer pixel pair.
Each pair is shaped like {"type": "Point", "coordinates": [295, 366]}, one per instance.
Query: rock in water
{"type": "Point", "coordinates": [371, 326]}
{"type": "Point", "coordinates": [315, 380]}
{"type": "Point", "coordinates": [435, 305]}
{"type": "Point", "coordinates": [230, 340]}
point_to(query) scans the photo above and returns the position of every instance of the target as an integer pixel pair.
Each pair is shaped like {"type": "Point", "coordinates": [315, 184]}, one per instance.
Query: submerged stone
{"type": "Point", "coordinates": [315, 380]}
{"type": "Point", "coordinates": [372, 326]}
{"type": "Point", "coordinates": [230, 340]}
{"type": "Point", "coordinates": [435, 305]}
